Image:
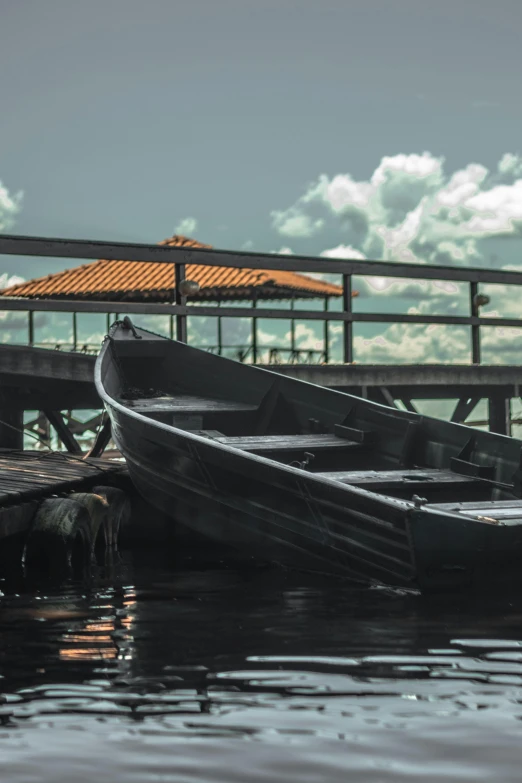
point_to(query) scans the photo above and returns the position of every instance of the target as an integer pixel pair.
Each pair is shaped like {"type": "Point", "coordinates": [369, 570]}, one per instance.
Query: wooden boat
{"type": "Point", "coordinates": [300, 474]}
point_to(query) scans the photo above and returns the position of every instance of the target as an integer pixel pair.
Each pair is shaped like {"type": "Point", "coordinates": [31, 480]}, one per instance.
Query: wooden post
{"type": "Point", "coordinates": [347, 325]}
{"type": "Point", "coordinates": [500, 415]}
{"type": "Point", "coordinates": [475, 330]}
{"type": "Point", "coordinates": [75, 330]}
{"type": "Point", "coordinates": [181, 320]}
{"type": "Point", "coordinates": [102, 439]}
{"type": "Point", "coordinates": [11, 428]}
{"type": "Point", "coordinates": [56, 419]}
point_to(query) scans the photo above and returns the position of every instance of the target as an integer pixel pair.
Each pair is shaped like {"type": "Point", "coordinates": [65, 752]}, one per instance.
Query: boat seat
{"type": "Point", "coordinates": [496, 512]}
{"type": "Point", "coordinates": [267, 443]}
{"type": "Point", "coordinates": [395, 479]}
{"type": "Point", "coordinates": [187, 404]}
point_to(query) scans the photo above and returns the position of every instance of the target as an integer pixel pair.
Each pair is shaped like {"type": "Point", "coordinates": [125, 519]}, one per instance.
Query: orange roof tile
{"type": "Point", "coordinates": [147, 280]}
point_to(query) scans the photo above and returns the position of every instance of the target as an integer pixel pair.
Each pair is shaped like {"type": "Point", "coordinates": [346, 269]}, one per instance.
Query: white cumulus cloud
{"type": "Point", "coordinates": [186, 226]}
{"type": "Point", "coordinates": [9, 207]}
{"type": "Point", "coordinates": [7, 280]}
{"type": "Point", "coordinates": [410, 209]}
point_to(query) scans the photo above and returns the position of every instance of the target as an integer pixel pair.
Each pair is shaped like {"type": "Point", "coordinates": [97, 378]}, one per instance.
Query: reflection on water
{"type": "Point", "coordinates": [232, 674]}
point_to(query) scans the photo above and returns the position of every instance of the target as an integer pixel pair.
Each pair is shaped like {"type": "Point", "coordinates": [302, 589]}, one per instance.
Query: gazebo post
{"type": "Point", "coordinates": [254, 333]}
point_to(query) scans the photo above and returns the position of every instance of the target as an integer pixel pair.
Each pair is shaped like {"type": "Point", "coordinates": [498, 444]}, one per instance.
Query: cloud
{"type": "Point", "coordinates": [415, 344]}
{"type": "Point", "coordinates": [187, 226]}
{"type": "Point", "coordinates": [292, 224]}
{"type": "Point", "coordinates": [9, 207]}
{"type": "Point", "coordinates": [7, 280]}
{"type": "Point", "coordinates": [343, 251]}
{"type": "Point", "coordinates": [410, 209]}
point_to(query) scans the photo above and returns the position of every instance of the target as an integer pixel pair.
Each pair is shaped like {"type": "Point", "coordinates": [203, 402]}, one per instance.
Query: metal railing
{"type": "Point", "coordinates": [181, 256]}
{"type": "Point", "coordinates": [270, 354]}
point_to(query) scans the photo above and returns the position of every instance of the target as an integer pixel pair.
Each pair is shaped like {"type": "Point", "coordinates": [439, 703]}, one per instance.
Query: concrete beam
{"type": "Point", "coordinates": [23, 360]}
{"type": "Point", "coordinates": [350, 376]}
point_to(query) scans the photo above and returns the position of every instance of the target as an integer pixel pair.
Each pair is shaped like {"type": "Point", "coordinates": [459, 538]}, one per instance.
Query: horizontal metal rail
{"type": "Point", "coordinates": [153, 308]}
{"type": "Point", "coordinates": [166, 254]}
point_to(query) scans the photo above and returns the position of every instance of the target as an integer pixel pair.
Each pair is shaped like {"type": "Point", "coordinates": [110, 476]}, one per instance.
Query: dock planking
{"type": "Point", "coordinates": [29, 476]}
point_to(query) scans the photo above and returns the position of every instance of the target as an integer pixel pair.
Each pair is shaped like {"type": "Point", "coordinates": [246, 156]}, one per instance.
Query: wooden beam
{"type": "Point", "coordinates": [167, 254]}
{"type": "Point", "coordinates": [464, 408]}
{"type": "Point", "coordinates": [500, 415]}
{"type": "Point", "coordinates": [65, 435]}
{"type": "Point", "coordinates": [11, 428]}
{"type": "Point", "coordinates": [102, 439]}
{"type": "Point", "coordinates": [408, 405]}
{"type": "Point", "coordinates": [388, 396]}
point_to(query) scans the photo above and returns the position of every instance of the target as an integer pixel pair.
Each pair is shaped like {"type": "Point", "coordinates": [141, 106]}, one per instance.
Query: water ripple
{"type": "Point", "coordinates": [205, 675]}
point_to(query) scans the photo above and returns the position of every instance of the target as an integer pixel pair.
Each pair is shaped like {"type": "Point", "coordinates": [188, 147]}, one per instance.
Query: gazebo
{"type": "Point", "coordinates": [144, 281]}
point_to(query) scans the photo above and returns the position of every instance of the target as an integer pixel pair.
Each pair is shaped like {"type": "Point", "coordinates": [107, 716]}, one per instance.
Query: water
{"type": "Point", "coordinates": [227, 673]}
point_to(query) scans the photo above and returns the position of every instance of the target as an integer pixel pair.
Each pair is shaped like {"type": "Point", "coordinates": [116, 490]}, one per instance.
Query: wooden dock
{"type": "Point", "coordinates": [28, 477]}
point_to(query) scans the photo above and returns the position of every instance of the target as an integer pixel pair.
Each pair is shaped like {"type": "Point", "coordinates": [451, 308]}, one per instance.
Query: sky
{"type": "Point", "coordinates": [352, 128]}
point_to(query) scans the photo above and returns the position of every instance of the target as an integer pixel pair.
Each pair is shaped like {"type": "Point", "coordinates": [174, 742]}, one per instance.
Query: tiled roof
{"type": "Point", "coordinates": [150, 281]}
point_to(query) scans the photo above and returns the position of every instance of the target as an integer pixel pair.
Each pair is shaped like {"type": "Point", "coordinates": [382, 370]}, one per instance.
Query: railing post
{"type": "Point", "coordinates": [475, 329]}
{"type": "Point", "coordinates": [292, 327]}
{"type": "Point", "coordinates": [181, 320]}
{"type": "Point", "coordinates": [30, 326]}
{"type": "Point", "coordinates": [75, 329]}
{"type": "Point", "coordinates": [220, 335]}
{"type": "Point", "coordinates": [326, 333]}
{"type": "Point", "coordinates": [254, 335]}
{"type": "Point", "coordinates": [347, 325]}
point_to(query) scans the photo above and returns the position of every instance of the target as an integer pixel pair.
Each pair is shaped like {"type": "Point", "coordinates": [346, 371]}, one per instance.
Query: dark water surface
{"type": "Point", "coordinates": [155, 673]}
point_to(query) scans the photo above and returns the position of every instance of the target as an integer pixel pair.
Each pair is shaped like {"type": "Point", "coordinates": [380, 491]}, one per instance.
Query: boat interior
{"type": "Point", "coordinates": [326, 433]}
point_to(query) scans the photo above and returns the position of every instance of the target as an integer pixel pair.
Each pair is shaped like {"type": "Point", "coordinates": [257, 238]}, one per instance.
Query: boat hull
{"type": "Point", "coordinates": [258, 508]}
{"type": "Point", "coordinates": [199, 459]}
{"type": "Point", "coordinates": [261, 511]}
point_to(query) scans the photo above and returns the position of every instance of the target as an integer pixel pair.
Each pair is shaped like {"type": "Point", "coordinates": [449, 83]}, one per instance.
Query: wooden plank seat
{"type": "Point", "coordinates": [394, 479]}
{"type": "Point", "coordinates": [187, 404]}
{"type": "Point", "coordinates": [288, 443]}
{"type": "Point", "coordinates": [505, 512]}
